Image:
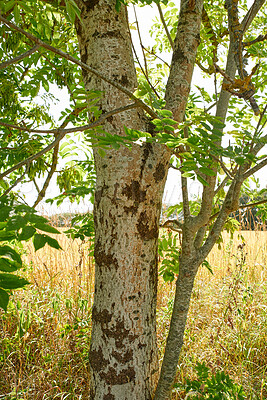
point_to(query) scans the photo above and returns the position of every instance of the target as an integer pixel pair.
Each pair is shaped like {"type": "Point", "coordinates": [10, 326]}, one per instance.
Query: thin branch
{"type": "Point", "coordinates": [257, 203]}
{"type": "Point", "coordinates": [165, 26]}
{"type": "Point", "coordinates": [17, 181]}
{"type": "Point", "coordinates": [19, 58]}
{"type": "Point", "coordinates": [251, 14]}
{"type": "Point", "coordinates": [153, 54]}
{"type": "Point", "coordinates": [246, 88]}
{"type": "Point", "coordinates": [74, 129]}
{"type": "Point", "coordinates": [256, 168]}
{"type": "Point", "coordinates": [253, 149]}
{"type": "Point", "coordinates": [142, 69]}
{"type": "Point", "coordinates": [225, 169]}
{"type": "Point", "coordinates": [221, 185]}
{"type": "Point", "coordinates": [67, 56]}
{"type": "Point", "coordinates": [186, 208]}
{"type": "Point", "coordinates": [250, 205]}
{"type": "Point", "coordinates": [35, 184]}
{"type": "Point", "coordinates": [260, 38]}
{"type": "Point", "coordinates": [60, 134]}
{"type": "Point", "coordinates": [200, 236]}
{"type": "Point", "coordinates": [209, 70]}
{"type": "Point", "coordinates": [41, 194]}
{"type": "Point", "coordinates": [173, 224]}
{"type": "Point", "coordinates": [140, 41]}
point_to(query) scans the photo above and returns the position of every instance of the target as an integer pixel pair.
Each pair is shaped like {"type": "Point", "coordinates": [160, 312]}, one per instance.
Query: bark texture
{"type": "Point", "coordinates": [129, 189]}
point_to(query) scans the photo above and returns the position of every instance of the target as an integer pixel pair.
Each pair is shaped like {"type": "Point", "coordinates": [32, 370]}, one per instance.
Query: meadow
{"type": "Point", "coordinates": [45, 335]}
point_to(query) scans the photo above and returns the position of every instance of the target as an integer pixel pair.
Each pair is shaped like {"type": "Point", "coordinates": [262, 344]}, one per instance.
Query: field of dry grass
{"type": "Point", "coordinates": [45, 333]}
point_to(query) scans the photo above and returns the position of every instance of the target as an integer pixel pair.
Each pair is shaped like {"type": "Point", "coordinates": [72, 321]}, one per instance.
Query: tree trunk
{"type": "Point", "coordinates": [123, 356]}
{"type": "Point", "coordinates": [188, 267]}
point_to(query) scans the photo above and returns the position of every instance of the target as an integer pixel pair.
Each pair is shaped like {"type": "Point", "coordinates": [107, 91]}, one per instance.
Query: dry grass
{"type": "Point", "coordinates": [45, 334]}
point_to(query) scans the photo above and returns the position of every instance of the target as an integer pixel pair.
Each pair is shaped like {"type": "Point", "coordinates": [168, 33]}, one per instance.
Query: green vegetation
{"type": "Point", "coordinates": [46, 330]}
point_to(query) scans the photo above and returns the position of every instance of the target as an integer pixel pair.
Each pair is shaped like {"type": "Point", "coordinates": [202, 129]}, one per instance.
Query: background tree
{"type": "Point", "coordinates": [160, 122]}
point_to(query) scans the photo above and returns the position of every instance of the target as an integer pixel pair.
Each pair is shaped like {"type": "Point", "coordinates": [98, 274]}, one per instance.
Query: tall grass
{"type": "Point", "coordinates": [45, 335]}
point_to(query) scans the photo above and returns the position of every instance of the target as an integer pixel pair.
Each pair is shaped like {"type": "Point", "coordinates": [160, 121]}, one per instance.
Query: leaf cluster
{"type": "Point", "coordinates": [18, 223]}
{"type": "Point", "coordinates": [213, 387]}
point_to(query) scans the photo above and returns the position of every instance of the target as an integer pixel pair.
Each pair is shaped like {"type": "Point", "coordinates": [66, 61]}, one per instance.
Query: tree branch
{"type": "Point", "coordinates": [165, 26]}
{"type": "Point", "coordinates": [19, 58]}
{"type": "Point", "coordinates": [17, 181]}
{"type": "Point", "coordinates": [260, 38]}
{"type": "Point", "coordinates": [68, 57]}
{"type": "Point", "coordinates": [153, 54]}
{"type": "Point", "coordinates": [145, 72]}
{"type": "Point", "coordinates": [41, 194]}
{"type": "Point", "coordinates": [74, 129]}
{"type": "Point", "coordinates": [184, 56]}
{"type": "Point", "coordinates": [60, 134]}
{"type": "Point", "coordinates": [221, 185]}
{"type": "Point", "coordinates": [173, 224]}
{"type": "Point", "coordinates": [256, 168]}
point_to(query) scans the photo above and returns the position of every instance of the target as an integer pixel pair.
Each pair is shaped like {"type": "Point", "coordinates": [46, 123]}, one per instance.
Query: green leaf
{"type": "Point", "coordinates": [3, 225]}
{"type": "Point", "coordinates": [7, 236]}
{"type": "Point", "coordinates": [9, 281]}
{"type": "Point", "coordinates": [24, 208]}
{"type": "Point", "coordinates": [53, 243]}
{"type": "Point", "coordinates": [15, 223]}
{"type": "Point", "coordinates": [165, 113]}
{"type": "Point", "coordinates": [208, 266]}
{"type": "Point", "coordinates": [33, 218]}
{"type": "Point", "coordinates": [11, 253]}
{"type": "Point", "coordinates": [208, 127]}
{"type": "Point", "coordinates": [8, 265]}
{"type": "Point", "coordinates": [39, 241]}
{"type": "Point", "coordinates": [27, 232]}
{"type": "Point", "coordinates": [4, 212]}
{"type": "Point", "coordinates": [207, 171]}
{"type": "Point", "coordinates": [45, 85]}
{"type": "Point", "coordinates": [46, 228]}
{"type": "Point", "coordinates": [101, 152]}
{"type": "Point", "coordinates": [202, 180]}
{"type": "Point", "coordinates": [4, 298]}
{"type": "Point", "coordinates": [168, 276]}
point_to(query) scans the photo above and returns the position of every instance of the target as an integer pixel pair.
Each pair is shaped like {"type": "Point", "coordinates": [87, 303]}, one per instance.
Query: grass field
{"type": "Point", "coordinates": [45, 334]}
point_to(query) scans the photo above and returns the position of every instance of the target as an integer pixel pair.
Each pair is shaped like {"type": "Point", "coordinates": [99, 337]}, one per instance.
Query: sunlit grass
{"type": "Point", "coordinates": [45, 335]}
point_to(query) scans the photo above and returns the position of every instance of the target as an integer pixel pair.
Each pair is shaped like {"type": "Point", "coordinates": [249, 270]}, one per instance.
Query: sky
{"type": "Point", "coordinates": [146, 17]}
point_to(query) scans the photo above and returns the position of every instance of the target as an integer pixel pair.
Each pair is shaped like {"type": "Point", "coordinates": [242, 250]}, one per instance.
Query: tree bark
{"type": "Point", "coordinates": [123, 356]}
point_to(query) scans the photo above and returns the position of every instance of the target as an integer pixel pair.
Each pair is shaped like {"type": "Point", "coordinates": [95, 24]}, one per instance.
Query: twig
{"type": "Point", "coordinates": [221, 185]}
{"type": "Point", "coordinates": [142, 69]}
{"type": "Point", "coordinates": [60, 134]}
{"type": "Point", "coordinates": [41, 193]}
{"type": "Point", "coordinates": [17, 181]}
{"type": "Point", "coordinates": [250, 205]}
{"type": "Point", "coordinates": [171, 223]}
{"type": "Point", "coordinates": [255, 168]}
{"type": "Point", "coordinates": [19, 58]}
{"type": "Point", "coordinates": [260, 38]}
{"type": "Point", "coordinates": [153, 54]}
{"type": "Point", "coordinates": [74, 129]}
{"type": "Point", "coordinates": [165, 26]}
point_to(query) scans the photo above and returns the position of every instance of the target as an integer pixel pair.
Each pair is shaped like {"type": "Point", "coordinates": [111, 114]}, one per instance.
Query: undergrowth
{"type": "Point", "coordinates": [45, 335]}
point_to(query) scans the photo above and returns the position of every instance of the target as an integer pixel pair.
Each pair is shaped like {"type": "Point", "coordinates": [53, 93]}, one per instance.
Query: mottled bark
{"type": "Point", "coordinates": [184, 56]}
{"type": "Point", "coordinates": [193, 251]}
{"type": "Point", "coordinates": [129, 188]}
